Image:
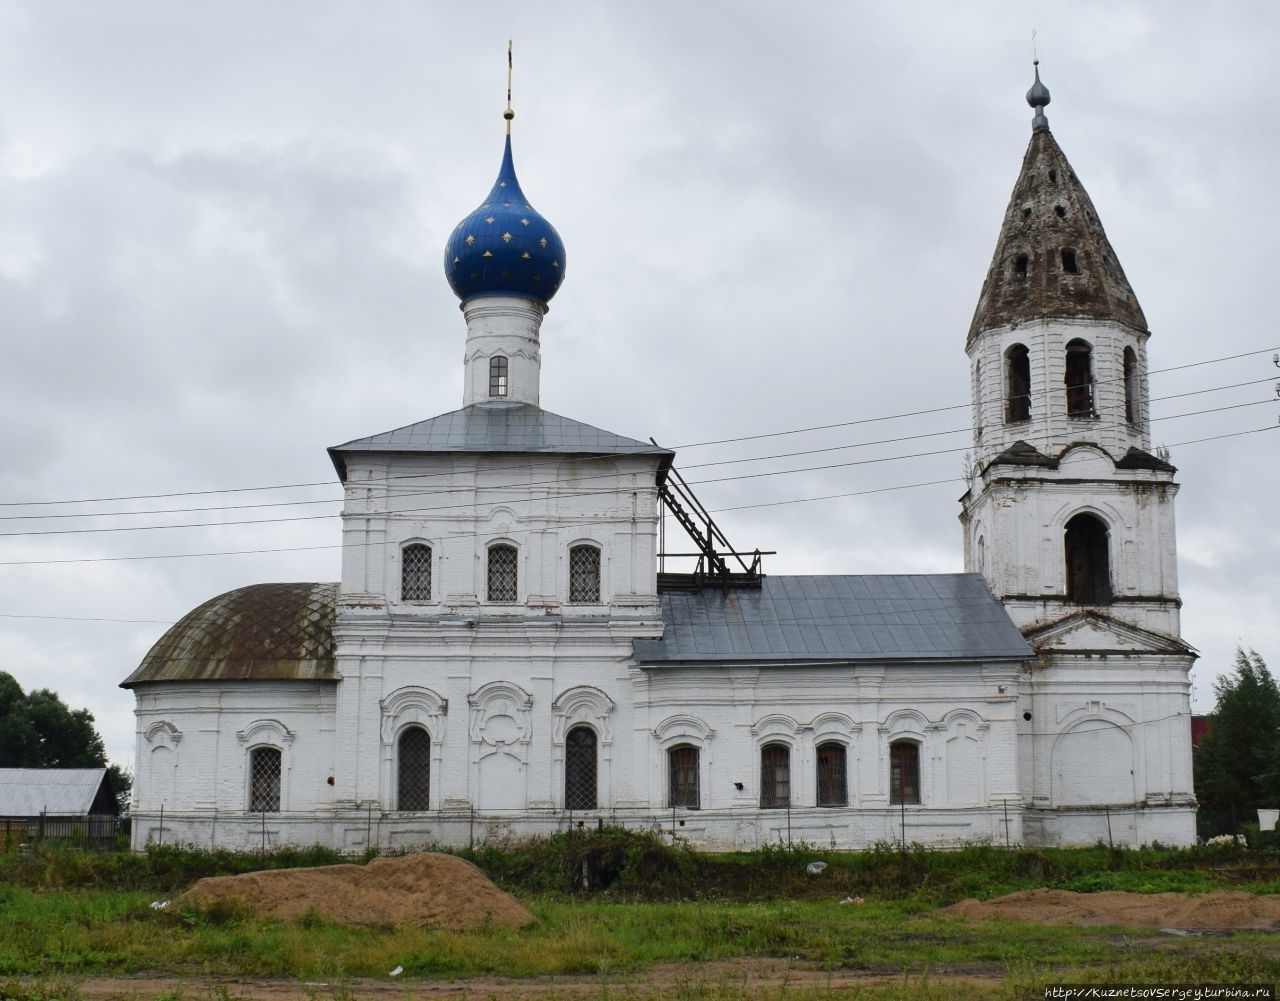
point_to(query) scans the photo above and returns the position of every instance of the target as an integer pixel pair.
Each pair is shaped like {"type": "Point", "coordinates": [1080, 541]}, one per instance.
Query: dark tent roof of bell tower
{"type": "Point", "coordinates": [1053, 259]}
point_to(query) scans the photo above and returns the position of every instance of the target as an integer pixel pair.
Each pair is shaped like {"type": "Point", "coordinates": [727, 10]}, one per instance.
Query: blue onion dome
{"type": "Point", "coordinates": [505, 247]}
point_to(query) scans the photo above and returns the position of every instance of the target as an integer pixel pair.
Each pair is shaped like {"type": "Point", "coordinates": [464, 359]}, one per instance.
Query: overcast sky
{"type": "Point", "coordinates": [221, 232]}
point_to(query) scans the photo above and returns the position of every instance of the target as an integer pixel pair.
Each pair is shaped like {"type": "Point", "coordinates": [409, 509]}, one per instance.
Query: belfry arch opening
{"type": "Point", "coordinates": [1088, 560]}
{"type": "Point", "coordinates": [1130, 386]}
{"type": "Point", "coordinates": [1079, 379]}
{"type": "Point", "coordinates": [1017, 379]}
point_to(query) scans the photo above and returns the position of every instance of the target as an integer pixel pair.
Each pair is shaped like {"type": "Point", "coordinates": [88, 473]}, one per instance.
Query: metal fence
{"type": "Point", "coordinates": [91, 830]}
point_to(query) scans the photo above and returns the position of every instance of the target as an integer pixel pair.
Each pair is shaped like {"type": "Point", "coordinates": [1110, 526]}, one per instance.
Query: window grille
{"type": "Point", "coordinates": [415, 573]}
{"type": "Point", "coordinates": [414, 767]}
{"type": "Point", "coordinates": [775, 776]}
{"type": "Point", "coordinates": [497, 376]}
{"type": "Point", "coordinates": [580, 769]}
{"type": "Point", "coordinates": [833, 787]}
{"type": "Point", "coordinates": [264, 780]}
{"type": "Point", "coordinates": [584, 575]}
{"type": "Point", "coordinates": [904, 772]}
{"type": "Point", "coordinates": [502, 573]}
{"type": "Point", "coordinates": [683, 762]}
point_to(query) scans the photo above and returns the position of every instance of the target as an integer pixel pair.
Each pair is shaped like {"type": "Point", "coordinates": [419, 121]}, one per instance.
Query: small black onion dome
{"type": "Point", "coordinates": [505, 247]}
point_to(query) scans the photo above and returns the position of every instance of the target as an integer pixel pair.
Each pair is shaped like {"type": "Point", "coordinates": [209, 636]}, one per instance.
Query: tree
{"type": "Point", "coordinates": [39, 730]}
{"type": "Point", "coordinates": [1237, 764]}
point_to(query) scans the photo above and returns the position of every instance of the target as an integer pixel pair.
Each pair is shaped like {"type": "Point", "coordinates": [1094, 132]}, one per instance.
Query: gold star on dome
{"type": "Point", "coordinates": [490, 219]}
{"type": "Point", "coordinates": [524, 222]}
{"type": "Point", "coordinates": [470, 239]}
{"type": "Point", "coordinates": [457, 260]}
{"type": "Point", "coordinates": [507, 238]}
{"type": "Point", "coordinates": [525, 256]}
{"type": "Point", "coordinates": [487, 253]}
{"type": "Point", "coordinates": [502, 184]}
{"type": "Point", "coordinates": [543, 241]}
{"type": "Point", "coordinates": [555, 264]}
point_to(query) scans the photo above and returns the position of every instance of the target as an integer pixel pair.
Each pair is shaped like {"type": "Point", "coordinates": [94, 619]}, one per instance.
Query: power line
{"type": "Point", "coordinates": [773, 434]}
{"type": "Point", "coordinates": [438, 508]}
{"type": "Point", "coordinates": [293, 549]}
{"type": "Point", "coordinates": [421, 492]}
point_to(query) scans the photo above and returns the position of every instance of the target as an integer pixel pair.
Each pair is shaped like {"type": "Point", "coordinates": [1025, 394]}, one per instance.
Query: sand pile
{"type": "Point", "coordinates": [1200, 912]}
{"type": "Point", "coordinates": [428, 890]}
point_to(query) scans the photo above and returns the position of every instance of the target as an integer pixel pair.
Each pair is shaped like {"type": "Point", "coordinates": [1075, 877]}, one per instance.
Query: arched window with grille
{"type": "Point", "coordinates": [1079, 378]}
{"type": "Point", "coordinates": [503, 578]}
{"type": "Point", "coordinates": [580, 769]}
{"type": "Point", "coordinates": [264, 780]}
{"type": "Point", "coordinates": [498, 382]}
{"type": "Point", "coordinates": [904, 772]}
{"type": "Point", "coordinates": [415, 572]}
{"type": "Point", "coordinates": [775, 776]}
{"type": "Point", "coordinates": [1088, 560]}
{"type": "Point", "coordinates": [584, 575]}
{"type": "Point", "coordinates": [833, 782]}
{"type": "Point", "coordinates": [1017, 383]}
{"type": "Point", "coordinates": [683, 764]}
{"type": "Point", "coordinates": [413, 770]}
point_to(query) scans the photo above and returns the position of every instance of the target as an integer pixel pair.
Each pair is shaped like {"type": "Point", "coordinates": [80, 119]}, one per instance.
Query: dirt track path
{"type": "Point", "coordinates": [763, 975]}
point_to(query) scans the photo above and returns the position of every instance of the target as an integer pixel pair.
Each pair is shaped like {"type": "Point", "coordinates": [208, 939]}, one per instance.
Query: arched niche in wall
{"type": "Point", "coordinates": [964, 766]}
{"type": "Point", "coordinates": [500, 729]}
{"type": "Point", "coordinates": [161, 740]}
{"type": "Point", "coordinates": [1093, 761]}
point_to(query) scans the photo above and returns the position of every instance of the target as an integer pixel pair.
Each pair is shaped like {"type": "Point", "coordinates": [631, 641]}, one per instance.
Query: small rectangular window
{"type": "Point", "coordinates": [904, 772]}
{"type": "Point", "coordinates": [584, 575]}
{"type": "Point", "coordinates": [833, 787]}
{"type": "Point", "coordinates": [683, 767]}
{"type": "Point", "coordinates": [264, 780]}
{"type": "Point", "coordinates": [502, 573]}
{"type": "Point", "coordinates": [775, 776]}
{"type": "Point", "coordinates": [498, 376]}
{"type": "Point", "coordinates": [415, 573]}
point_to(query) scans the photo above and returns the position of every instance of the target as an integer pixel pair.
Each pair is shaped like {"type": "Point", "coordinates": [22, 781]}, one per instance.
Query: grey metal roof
{"type": "Point", "coordinates": [263, 632]}
{"type": "Point", "coordinates": [843, 619]}
{"type": "Point", "coordinates": [500, 427]}
{"type": "Point", "coordinates": [28, 792]}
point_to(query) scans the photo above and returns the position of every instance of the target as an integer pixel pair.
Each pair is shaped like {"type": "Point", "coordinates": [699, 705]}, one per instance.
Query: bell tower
{"type": "Point", "coordinates": [1069, 516]}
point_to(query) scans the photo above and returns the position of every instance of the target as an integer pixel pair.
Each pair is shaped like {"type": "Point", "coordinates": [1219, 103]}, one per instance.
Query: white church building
{"type": "Point", "coordinates": [502, 655]}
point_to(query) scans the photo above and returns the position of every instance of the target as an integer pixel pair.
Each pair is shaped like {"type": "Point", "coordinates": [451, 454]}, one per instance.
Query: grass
{"type": "Point", "coordinates": [67, 913]}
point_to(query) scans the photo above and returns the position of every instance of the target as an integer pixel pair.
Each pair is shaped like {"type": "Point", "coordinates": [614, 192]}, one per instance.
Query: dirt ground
{"type": "Point", "coordinates": [766, 976]}
{"type": "Point", "coordinates": [425, 890]}
{"type": "Point", "coordinates": [1220, 911]}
